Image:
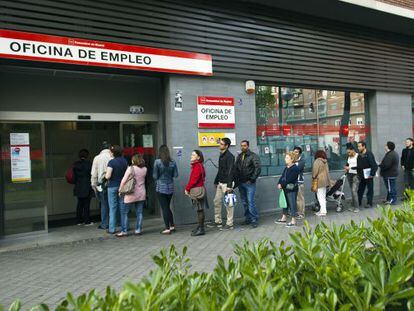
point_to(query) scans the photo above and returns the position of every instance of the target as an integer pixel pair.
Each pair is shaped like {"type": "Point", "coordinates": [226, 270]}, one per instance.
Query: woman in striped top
{"type": "Point", "coordinates": [165, 170]}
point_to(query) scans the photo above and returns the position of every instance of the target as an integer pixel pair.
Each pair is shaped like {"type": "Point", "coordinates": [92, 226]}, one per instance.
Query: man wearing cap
{"type": "Point", "coordinates": [99, 165]}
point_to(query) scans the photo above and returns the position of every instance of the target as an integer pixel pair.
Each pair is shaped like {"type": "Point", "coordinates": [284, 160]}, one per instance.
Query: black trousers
{"type": "Point", "coordinates": [366, 183]}
{"type": "Point", "coordinates": [82, 210]}
{"type": "Point", "coordinates": [165, 200]}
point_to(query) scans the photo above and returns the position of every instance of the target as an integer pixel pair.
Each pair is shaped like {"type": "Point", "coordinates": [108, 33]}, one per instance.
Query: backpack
{"type": "Point", "coordinates": [70, 176]}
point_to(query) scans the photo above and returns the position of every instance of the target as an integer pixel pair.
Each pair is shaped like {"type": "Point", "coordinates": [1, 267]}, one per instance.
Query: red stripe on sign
{"type": "Point", "coordinates": [99, 44]}
{"type": "Point", "coordinates": [214, 100]}
{"type": "Point", "coordinates": [65, 61]}
{"type": "Point", "coordinates": [216, 125]}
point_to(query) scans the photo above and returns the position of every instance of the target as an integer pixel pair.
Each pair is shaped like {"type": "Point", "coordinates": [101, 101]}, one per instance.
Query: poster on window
{"type": "Point", "coordinates": [20, 164]}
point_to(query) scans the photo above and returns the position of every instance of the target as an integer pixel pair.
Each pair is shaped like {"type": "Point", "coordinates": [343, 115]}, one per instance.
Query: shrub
{"type": "Point", "coordinates": [348, 267]}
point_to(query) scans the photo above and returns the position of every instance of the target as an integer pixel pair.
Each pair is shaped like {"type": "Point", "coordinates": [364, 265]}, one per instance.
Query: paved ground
{"type": "Point", "coordinates": [45, 274]}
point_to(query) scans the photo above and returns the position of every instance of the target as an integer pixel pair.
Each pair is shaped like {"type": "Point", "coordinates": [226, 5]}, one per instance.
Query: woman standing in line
{"type": "Point", "coordinates": [288, 182]}
{"type": "Point", "coordinates": [165, 170]}
{"type": "Point", "coordinates": [83, 190]}
{"type": "Point", "coordinates": [136, 200]}
{"type": "Point", "coordinates": [320, 173]}
{"type": "Point", "coordinates": [195, 189]}
{"type": "Point", "coordinates": [114, 174]}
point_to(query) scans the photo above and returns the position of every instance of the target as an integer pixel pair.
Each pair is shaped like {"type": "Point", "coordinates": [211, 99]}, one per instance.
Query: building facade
{"type": "Point", "coordinates": [321, 80]}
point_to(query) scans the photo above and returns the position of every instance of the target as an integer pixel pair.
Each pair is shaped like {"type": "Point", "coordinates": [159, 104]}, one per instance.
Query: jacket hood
{"type": "Point", "coordinates": [323, 160]}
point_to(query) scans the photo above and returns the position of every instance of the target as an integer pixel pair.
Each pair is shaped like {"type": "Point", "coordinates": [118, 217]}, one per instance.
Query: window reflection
{"type": "Point", "coordinates": [310, 118]}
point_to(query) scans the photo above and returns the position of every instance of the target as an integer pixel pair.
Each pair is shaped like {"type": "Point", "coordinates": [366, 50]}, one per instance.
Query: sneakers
{"type": "Point", "coordinates": [138, 232]}
{"type": "Point", "coordinates": [319, 214]}
{"type": "Point", "coordinates": [121, 234]}
{"type": "Point", "coordinates": [166, 231]}
{"type": "Point", "coordinates": [214, 225]}
{"type": "Point", "coordinates": [227, 227]}
{"type": "Point", "coordinates": [300, 216]}
{"type": "Point", "coordinates": [89, 224]}
{"type": "Point", "coordinates": [290, 225]}
{"type": "Point", "coordinates": [356, 210]}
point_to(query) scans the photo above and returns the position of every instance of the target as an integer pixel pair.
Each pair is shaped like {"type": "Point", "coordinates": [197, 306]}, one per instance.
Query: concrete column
{"type": "Point", "coordinates": [182, 131]}
{"type": "Point", "coordinates": [390, 120]}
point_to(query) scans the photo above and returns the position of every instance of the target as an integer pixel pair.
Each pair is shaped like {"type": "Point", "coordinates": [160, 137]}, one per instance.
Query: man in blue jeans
{"type": "Point", "coordinates": [247, 170]}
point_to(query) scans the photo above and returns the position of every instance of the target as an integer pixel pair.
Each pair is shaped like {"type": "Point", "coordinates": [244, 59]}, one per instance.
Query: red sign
{"type": "Point", "coordinates": [215, 112]}
{"type": "Point", "coordinates": [47, 48]}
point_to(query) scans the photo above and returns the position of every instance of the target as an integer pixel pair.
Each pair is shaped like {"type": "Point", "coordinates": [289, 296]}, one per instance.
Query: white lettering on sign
{"type": "Point", "coordinates": [38, 47]}
{"type": "Point", "coordinates": [215, 112]}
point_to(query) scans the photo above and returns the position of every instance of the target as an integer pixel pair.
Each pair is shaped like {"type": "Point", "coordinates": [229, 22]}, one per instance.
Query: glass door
{"type": "Point", "coordinates": [141, 138]}
{"type": "Point", "coordinates": [22, 178]}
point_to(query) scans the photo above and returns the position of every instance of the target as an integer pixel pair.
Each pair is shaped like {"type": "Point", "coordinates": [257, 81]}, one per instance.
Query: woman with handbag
{"type": "Point", "coordinates": [320, 180]}
{"type": "Point", "coordinates": [196, 191]}
{"type": "Point", "coordinates": [132, 187]}
{"type": "Point", "coordinates": [288, 183]}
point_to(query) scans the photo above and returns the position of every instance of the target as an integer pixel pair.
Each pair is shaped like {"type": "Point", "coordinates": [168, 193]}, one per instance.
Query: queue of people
{"type": "Point", "coordinates": [120, 187]}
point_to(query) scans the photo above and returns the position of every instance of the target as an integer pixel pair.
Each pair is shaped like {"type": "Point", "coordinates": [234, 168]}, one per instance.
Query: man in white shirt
{"type": "Point", "coordinates": [352, 175]}
{"type": "Point", "coordinates": [99, 165]}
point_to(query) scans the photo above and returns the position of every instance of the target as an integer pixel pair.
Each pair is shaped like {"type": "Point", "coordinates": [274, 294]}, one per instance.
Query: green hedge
{"type": "Point", "coordinates": [348, 267]}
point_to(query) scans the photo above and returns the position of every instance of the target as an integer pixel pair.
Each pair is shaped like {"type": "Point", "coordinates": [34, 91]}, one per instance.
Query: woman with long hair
{"type": "Point", "coordinates": [320, 172]}
{"type": "Point", "coordinates": [165, 170]}
{"type": "Point", "coordinates": [136, 199]}
{"type": "Point", "coordinates": [195, 189]}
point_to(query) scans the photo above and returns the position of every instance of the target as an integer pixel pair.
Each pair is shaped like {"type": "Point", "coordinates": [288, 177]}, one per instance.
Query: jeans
{"type": "Point", "coordinates": [291, 199]}
{"type": "Point", "coordinates": [353, 181]}
{"type": "Point", "coordinates": [409, 179]}
{"type": "Point", "coordinates": [115, 205]}
{"type": "Point", "coordinates": [247, 192]}
{"type": "Point", "coordinates": [165, 200]}
{"type": "Point", "coordinates": [82, 210]}
{"type": "Point", "coordinates": [103, 202]}
{"type": "Point", "coordinates": [321, 195]}
{"type": "Point", "coordinates": [390, 184]}
{"type": "Point", "coordinates": [366, 183]}
{"type": "Point", "coordinates": [125, 208]}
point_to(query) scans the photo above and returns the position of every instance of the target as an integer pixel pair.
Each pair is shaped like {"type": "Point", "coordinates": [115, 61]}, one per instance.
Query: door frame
{"type": "Point", "coordinates": [45, 209]}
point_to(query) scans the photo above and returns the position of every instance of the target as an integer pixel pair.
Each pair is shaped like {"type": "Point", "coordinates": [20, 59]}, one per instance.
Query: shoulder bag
{"type": "Point", "coordinates": [129, 185]}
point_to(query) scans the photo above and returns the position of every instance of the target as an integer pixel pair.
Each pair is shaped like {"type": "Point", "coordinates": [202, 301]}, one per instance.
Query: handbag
{"type": "Point", "coordinates": [282, 199]}
{"type": "Point", "coordinates": [314, 186]}
{"type": "Point", "coordinates": [129, 185]}
{"type": "Point", "coordinates": [197, 193]}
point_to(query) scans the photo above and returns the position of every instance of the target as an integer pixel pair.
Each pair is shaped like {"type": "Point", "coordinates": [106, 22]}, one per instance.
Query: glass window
{"type": "Point", "coordinates": [309, 118]}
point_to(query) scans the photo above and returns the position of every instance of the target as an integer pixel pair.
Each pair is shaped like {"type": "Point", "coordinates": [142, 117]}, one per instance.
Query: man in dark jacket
{"type": "Point", "coordinates": [407, 163]}
{"type": "Point", "coordinates": [247, 170]}
{"type": "Point", "coordinates": [223, 183]}
{"type": "Point", "coordinates": [389, 171]}
{"type": "Point", "coordinates": [366, 168]}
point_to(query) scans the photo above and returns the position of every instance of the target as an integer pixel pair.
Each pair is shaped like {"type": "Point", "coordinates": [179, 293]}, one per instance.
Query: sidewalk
{"type": "Point", "coordinates": [46, 274]}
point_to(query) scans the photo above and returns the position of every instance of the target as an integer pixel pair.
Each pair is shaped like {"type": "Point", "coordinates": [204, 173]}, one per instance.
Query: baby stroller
{"type": "Point", "coordinates": [334, 194]}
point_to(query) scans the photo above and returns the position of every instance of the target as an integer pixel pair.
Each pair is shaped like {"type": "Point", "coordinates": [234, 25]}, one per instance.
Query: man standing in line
{"type": "Point", "coordinates": [247, 170]}
{"type": "Point", "coordinates": [366, 168]}
{"type": "Point", "coordinates": [99, 165]}
{"type": "Point", "coordinates": [352, 176]}
{"type": "Point", "coordinates": [407, 163]}
{"type": "Point", "coordinates": [223, 183]}
{"type": "Point", "coordinates": [300, 203]}
{"type": "Point", "coordinates": [389, 171]}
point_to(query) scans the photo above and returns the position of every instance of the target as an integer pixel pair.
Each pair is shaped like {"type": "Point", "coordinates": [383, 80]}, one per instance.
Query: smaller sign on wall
{"type": "Point", "coordinates": [215, 112]}
{"type": "Point", "coordinates": [147, 141]}
{"type": "Point", "coordinates": [21, 170]}
{"type": "Point", "coordinates": [208, 139]}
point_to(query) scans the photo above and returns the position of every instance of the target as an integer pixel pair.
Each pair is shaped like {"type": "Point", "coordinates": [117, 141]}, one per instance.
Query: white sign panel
{"type": "Point", "coordinates": [21, 170]}
{"type": "Point", "coordinates": [215, 112]}
{"type": "Point", "coordinates": [19, 139]}
{"type": "Point", "coordinates": [47, 48]}
{"type": "Point", "coordinates": [147, 141]}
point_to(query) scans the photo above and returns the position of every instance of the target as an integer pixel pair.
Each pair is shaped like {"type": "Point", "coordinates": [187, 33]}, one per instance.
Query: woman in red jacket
{"type": "Point", "coordinates": [195, 189]}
